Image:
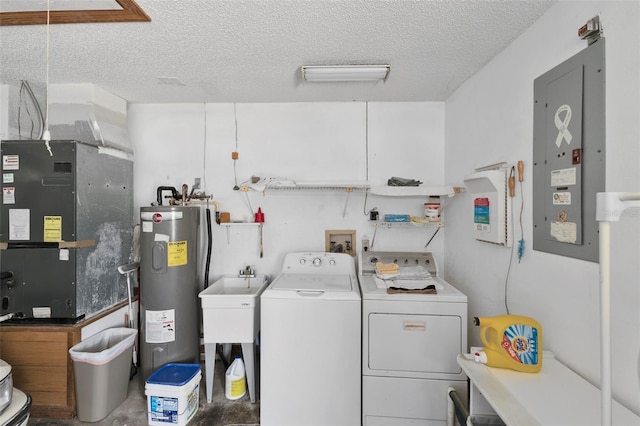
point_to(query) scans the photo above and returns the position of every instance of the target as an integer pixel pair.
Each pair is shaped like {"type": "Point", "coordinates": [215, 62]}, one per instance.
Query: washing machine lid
{"type": "Point", "coordinates": [313, 282]}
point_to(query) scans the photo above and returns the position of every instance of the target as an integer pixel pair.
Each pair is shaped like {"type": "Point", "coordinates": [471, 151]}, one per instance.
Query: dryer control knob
{"type": "Point", "coordinates": [332, 262]}
{"type": "Point", "coordinates": [303, 261]}
{"type": "Point", "coordinates": [317, 261]}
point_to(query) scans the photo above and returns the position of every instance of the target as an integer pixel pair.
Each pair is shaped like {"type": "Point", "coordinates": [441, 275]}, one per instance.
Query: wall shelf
{"type": "Point", "coordinates": [271, 184]}
{"type": "Point", "coordinates": [414, 191]}
{"type": "Point", "coordinates": [277, 184]}
{"type": "Point", "coordinates": [383, 224]}
{"type": "Point", "coordinates": [229, 225]}
{"type": "Point", "coordinates": [319, 187]}
{"type": "Point", "coordinates": [281, 184]}
{"type": "Point", "coordinates": [406, 225]}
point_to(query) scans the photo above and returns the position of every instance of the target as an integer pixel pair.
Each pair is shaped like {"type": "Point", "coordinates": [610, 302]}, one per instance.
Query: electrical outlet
{"type": "Point", "coordinates": [340, 241]}
{"type": "Point", "coordinates": [196, 183]}
{"type": "Point", "coordinates": [365, 244]}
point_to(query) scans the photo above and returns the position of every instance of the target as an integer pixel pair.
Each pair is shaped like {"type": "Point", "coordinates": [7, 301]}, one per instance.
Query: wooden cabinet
{"type": "Point", "coordinates": [40, 361]}
{"type": "Point", "coordinates": [41, 366]}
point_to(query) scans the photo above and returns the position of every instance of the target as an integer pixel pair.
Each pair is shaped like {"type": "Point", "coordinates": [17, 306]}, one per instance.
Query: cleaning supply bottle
{"type": "Point", "coordinates": [510, 341]}
{"type": "Point", "coordinates": [235, 380]}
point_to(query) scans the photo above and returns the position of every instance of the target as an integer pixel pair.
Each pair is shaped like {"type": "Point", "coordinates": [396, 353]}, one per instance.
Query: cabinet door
{"type": "Point", "coordinates": [40, 365]}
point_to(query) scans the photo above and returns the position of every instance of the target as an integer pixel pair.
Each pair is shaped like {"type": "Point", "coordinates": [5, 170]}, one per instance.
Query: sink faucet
{"type": "Point", "coordinates": [247, 273]}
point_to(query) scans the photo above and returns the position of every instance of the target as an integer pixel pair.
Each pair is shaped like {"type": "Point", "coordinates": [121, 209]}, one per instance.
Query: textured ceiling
{"type": "Point", "coordinates": [251, 50]}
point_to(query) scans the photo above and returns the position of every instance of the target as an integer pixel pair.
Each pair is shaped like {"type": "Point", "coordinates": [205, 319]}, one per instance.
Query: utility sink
{"type": "Point", "coordinates": [229, 287]}
{"type": "Point", "coordinates": [231, 314]}
{"type": "Point", "coordinates": [231, 308]}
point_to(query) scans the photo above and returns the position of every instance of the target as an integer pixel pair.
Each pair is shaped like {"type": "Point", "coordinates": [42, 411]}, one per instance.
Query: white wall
{"type": "Point", "coordinates": [19, 118]}
{"type": "Point", "coordinates": [4, 111]}
{"type": "Point", "coordinates": [490, 119]}
{"type": "Point", "coordinates": [306, 142]}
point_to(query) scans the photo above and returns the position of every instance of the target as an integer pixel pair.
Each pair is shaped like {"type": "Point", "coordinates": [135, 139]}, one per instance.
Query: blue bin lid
{"type": "Point", "coordinates": [174, 374]}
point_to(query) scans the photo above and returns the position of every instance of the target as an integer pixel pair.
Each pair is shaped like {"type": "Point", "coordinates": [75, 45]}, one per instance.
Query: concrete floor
{"type": "Point", "coordinates": [220, 412]}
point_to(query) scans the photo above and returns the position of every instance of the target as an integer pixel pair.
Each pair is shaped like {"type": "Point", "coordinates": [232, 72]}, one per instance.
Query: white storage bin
{"type": "Point", "coordinates": [173, 394]}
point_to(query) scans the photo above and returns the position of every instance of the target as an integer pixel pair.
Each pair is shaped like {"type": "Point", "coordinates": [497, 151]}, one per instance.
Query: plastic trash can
{"type": "Point", "coordinates": [101, 366]}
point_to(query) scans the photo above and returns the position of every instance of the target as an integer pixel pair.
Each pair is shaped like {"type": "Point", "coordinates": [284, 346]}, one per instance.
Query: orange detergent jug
{"type": "Point", "coordinates": [510, 341]}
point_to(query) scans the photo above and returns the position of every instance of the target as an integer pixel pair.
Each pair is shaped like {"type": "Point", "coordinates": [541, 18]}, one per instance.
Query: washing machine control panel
{"type": "Point", "coordinates": [368, 260]}
{"type": "Point", "coordinates": [319, 262]}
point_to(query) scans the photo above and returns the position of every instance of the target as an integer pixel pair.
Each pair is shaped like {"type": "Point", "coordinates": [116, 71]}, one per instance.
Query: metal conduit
{"type": "Point", "coordinates": [459, 409]}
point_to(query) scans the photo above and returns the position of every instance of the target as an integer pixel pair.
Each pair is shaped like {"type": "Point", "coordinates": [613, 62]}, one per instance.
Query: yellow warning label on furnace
{"type": "Point", "coordinates": [52, 229]}
{"type": "Point", "coordinates": [177, 253]}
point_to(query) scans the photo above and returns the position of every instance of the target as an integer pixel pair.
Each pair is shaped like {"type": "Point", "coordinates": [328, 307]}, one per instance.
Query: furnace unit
{"type": "Point", "coordinates": [66, 224]}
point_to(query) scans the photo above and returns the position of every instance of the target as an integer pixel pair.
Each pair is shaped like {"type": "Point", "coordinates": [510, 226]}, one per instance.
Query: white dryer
{"type": "Point", "coordinates": [310, 350]}
{"type": "Point", "coordinates": [409, 345]}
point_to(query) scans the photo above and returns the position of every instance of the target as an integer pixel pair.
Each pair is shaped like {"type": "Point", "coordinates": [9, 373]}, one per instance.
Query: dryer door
{"type": "Point", "coordinates": [414, 343]}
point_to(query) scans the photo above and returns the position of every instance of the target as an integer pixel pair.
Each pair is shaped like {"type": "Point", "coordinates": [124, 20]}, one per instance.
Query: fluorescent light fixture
{"type": "Point", "coordinates": [332, 73]}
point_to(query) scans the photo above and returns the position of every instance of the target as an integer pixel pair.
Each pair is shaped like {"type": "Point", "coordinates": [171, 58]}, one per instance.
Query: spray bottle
{"type": "Point", "coordinates": [510, 341]}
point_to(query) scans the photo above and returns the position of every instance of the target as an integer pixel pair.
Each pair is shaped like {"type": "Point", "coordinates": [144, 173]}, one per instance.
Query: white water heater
{"type": "Point", "coordinates": [169, 323]}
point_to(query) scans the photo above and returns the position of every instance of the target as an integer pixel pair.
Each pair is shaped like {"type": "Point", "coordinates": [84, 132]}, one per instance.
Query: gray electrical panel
{"type": "Point", "coordinates": [569, 154]}
{"type": "Point", "coordinates": [66, 224]}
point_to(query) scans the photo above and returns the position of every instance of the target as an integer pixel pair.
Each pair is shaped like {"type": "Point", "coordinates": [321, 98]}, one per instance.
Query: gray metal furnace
{"type": "Point", "coordinates": [169, 310]}
{"type": "Point", "coordinates": [66, 224]}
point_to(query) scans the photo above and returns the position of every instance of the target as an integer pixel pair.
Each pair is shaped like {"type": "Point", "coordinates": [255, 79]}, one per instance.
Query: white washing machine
{"type": "Point", "coordinates": [310, 343]}
{"type": "Point", "coordinates": [409, 344]}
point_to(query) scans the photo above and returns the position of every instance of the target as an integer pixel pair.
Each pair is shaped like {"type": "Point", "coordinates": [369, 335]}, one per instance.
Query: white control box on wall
{"type": "Point", "coordinates": [491, 209]}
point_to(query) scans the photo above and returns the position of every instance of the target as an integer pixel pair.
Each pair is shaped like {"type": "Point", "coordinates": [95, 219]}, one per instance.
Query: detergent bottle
{"type": "Point", "coordinates": [235, 380]}
{"type": "Point", "coordinates": [510, 341]}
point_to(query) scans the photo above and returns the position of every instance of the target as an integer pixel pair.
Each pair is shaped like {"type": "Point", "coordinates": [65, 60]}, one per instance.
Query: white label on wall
{"type": "Point", "coordinates": [19, 224]}
{"type": "Point", "coordinates": [563, 177]}
{"type": "Point", "coordinates": [10, 162]}
{"type": "Point", "coordinates": [565, 232]}
{"type": "Point", "coordinates": [41, 312]}
{"type": "Point", "coordinates": [7, 178]}
{"type": "Point", "coordinates": [482, 227]}
{"type": "Point", "coordinates": [161, 238]}
{"type": "Point", "coordinates": [160, 326]}
{"type": "Point", "coordinates": [63, 255]}
{"type": "Point", "coordinates": [8, 195]}
{"type": "Point", "coordinates": [562, 124]}
{"type": "Point", "coordinates": [561, 198]}
{"type": "Point", "coordinates": [147, 226]}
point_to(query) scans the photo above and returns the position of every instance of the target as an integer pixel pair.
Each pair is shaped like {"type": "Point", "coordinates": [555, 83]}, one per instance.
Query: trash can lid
{"type": "Point", "coordinates": [174, 374]}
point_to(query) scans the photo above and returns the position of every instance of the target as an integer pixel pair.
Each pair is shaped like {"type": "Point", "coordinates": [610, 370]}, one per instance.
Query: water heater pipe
{"type": "Point", "coordinates": [185, 191]}
{"type": "Point", "coordinates": [609, 208]}
{"type": "Point", "coordinates": [174, 193]}
{"type": "Point", "coordinates": [209, 243]}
